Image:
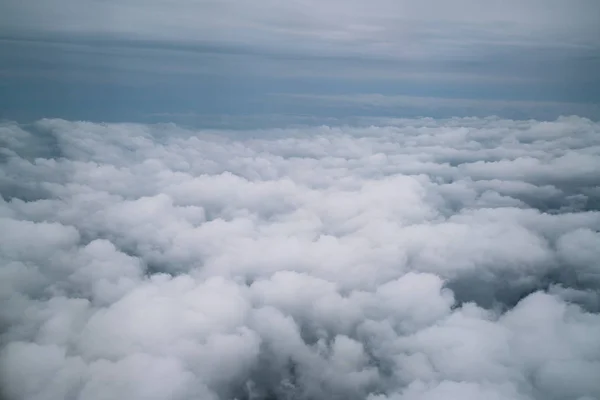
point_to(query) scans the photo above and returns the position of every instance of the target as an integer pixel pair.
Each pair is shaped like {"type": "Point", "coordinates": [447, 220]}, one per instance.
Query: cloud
{"type": "Point", "coordinates": [399, 40]}
{"type": "Point", "coordinates": [408, 259]}
{"type": "Point", "coordinates": [336, 22]}
{"type": "Point", "coordinates": [378, 103]}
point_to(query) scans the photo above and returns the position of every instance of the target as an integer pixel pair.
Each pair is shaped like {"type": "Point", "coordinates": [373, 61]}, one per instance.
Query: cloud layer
{"type": "Point", "coordinates": [550, 41]}
{"type": "Point", "coordinates": [412, 259]}
{"type": "Point", "coordinates": [381, 26]}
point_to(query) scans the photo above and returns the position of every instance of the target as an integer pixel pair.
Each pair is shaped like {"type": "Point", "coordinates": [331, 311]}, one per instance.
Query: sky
{"type": "Point", "coordinates": [205, 62]}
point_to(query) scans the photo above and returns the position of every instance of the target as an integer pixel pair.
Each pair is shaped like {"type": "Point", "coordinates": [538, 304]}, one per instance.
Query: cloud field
{"type": "Point", "coordinates": [414, 259]}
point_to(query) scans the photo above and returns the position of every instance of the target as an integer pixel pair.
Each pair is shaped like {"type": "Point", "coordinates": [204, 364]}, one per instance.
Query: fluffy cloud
{"type": "Point", "coordinates": [414, 259]}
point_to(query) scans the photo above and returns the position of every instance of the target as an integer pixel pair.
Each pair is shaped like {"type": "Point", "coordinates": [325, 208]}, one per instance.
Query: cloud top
{"type": "Point", "coordinates": [410, 259]}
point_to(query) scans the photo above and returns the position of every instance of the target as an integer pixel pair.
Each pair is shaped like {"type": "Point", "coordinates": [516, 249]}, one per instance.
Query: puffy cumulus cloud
{"type": "Point", "coordinates": [414, 259]}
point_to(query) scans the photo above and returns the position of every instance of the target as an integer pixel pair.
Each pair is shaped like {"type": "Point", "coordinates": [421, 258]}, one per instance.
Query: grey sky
{"type": "Point", "coordinates": [505, 50]}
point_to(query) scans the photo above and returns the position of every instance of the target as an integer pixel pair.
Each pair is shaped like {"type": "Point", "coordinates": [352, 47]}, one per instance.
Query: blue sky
{"type": "Point", "coordinates": [198, 62]}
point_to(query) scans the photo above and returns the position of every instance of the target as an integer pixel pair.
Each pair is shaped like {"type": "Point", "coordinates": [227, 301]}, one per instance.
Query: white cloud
{"type": "Point", "coordinates": [415, 259]}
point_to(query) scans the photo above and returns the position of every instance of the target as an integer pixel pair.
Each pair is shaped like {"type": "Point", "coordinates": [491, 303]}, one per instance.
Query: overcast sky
{"type": "Point", "coordinates": [132, 60]}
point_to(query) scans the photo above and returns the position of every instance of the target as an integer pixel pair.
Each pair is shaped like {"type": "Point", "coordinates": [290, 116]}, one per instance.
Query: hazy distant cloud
{"type": "Point", "coordinates": [367, 104]}
{"type": "Point", "coordinates": [414, 259]}
{"type": "Point", "coordinates": [380, 26]}
{"type": "Point", "coordinates": [511, 35]}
